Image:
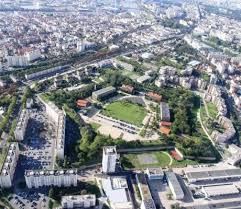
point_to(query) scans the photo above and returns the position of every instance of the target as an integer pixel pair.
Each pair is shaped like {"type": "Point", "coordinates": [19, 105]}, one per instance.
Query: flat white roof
{"type": "Point", "coordinates": [115, 194]}
{"type": "Point", "coordinates": [212, 172]}
{"type": "Point", "coordinates": [217, 190]}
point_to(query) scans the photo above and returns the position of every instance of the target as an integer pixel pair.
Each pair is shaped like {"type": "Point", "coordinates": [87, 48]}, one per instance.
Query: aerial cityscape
{"type": "Point", "coordinates": [120, 104]}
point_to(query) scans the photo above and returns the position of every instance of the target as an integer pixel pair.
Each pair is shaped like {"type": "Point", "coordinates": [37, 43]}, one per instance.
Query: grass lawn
{"type": "Point", "coordinates": [183, 163]}
{"type": "Point", "coordinates": [153, 159]}
{"type": "Point", "coordinates": [126, 111]}
{"type": "Point", "coordinates": [212, 110]}
{"type": "Point", "coordinates": [130, 74]}
{"type": "Point", "coordinates": [95, 126]}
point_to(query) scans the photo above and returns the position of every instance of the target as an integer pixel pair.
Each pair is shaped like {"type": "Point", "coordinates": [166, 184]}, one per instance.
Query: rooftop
{"type": "Point", "coordinates": [217, 190]}
{"type": "Point", "coordinates": [175, 183]}
{"type": "Point", "coordinates": [116, 189]}
{"type": "Point", "coordinates": [212, 172]}
{"type": "Point", "coordinates": [104, 90]}
{"type": "Point", "coordinates": [110, 150]}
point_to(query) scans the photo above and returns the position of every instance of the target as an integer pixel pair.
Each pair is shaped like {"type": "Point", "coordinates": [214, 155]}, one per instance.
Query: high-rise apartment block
{"type": "Point", "coordinates": [109, 159]}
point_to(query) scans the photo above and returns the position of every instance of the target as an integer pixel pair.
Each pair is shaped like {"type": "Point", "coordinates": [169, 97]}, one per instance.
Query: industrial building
{"type": "Point", "coordinates": [59, 178]}
{"type": "Point", "coordinates": [220, 190]}
{"type": "Point", "coordinates": [103, 93]}
{"type": "Point", "coordinates": [9, 166]}
{"type": "Point", "coordinates": [109, 159]}
{"type": "Point", "coordinates": [174, 186]}
{"type": "Point", "coordinates": [211, 173]}
{"type": "Point", "coordinates": [147, 201]}
{"type": "Point", "coordinates": [164, 112]}
{"type": "Point", "coordinates": [78, 201]}
{"type": "Point", "coordinates": [117, 192]}
{"type": "Point", "coordinates": [21, 126]}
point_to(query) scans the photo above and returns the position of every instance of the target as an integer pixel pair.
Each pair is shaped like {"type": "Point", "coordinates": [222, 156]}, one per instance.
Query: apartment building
{"type": "Point", "coordinates": [58, 116]}
{"type": "Point", "coordinates": [59, 178]}
{"type": "Point", "coordinates": [78, 201]}
{"type": "Point", "coordinates": [9, 166]}
{"type": "Point", "coordinates": [22, 124]}
{"type": "Point", "coordinates": [164, 112]}
{"type": "Point", "coordinates": [109, 159]}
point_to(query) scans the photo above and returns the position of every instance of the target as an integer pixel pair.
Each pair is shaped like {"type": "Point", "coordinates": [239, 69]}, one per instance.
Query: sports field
{"type": "Point", "coordinates": [126, 111]}
{"type": "Point", "coordinates": [146, 160]}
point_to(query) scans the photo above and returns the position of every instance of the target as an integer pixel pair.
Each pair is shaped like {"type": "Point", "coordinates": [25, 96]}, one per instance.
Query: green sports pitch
{"type": "Point", "coordinates": [126, 111]}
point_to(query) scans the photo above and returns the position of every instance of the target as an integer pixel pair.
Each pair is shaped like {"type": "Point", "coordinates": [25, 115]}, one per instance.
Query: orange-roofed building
{"type": "Point", "coordinates": [81, 103]}
{"type": "Point", "coordinates": [175, 155]}
{"type": "Point", "coordinates": [165, 130]}
{"type": "Point", "coordinates": [127, 88]}
{"type": "Point", "coordinates": [153, 96]}
{"type": "Point", "coordinates": [165, 123]}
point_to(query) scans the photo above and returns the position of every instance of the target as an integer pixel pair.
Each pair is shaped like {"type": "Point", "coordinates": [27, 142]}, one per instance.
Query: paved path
{"type": "Point", "coordinates": [171, 160]}
{"type": "Point", "coordinates": [209, 137]}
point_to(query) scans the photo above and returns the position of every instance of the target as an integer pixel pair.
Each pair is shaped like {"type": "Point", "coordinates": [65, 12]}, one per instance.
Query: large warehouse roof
{"type": "Point", "coordinates": [212, 172]}
{"type": "Point", "coordinates": [218, 190]}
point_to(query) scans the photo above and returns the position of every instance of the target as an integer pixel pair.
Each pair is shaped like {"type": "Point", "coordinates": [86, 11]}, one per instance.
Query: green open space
{"type": "Point", "coordinates": [131, 74]}
{"type": "Point", "coordinates": [183, 163]}
{"type": "Point", "coordinates": [126, 111]}
{"type": "Point", "coordinates": [145, 160]}
{"type": "Point", "coordinates": [212, 109]}
{"type": "Point", "coordinates": [95, 126]}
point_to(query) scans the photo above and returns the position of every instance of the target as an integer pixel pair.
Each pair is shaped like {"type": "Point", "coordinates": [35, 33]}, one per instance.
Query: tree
{"type": "Point", "coordinates": [51, 204]}
{"type": "Point", "coordinates": [65, 164]}
{"type": "Point", "coordinates": [51, 193]}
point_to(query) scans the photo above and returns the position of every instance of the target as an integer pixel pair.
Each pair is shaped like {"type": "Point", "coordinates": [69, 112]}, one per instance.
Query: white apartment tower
{"type": "Point", "coordinates": [59, 178]}
{"type": "Point", "coordinates": [9, 165]}
{"type": "Point", "coordinates": [109, 159]}
{"type": "Point", "coordinates": [21, 126]}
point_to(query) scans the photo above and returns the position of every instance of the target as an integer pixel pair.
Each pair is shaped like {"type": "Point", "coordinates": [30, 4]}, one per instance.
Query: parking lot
{"type": "Point", "coordinates": [36, 152]}
{"type": "Point", "coordinates": [29, 199]}
{"type": "Point", "coordinates": [39, 143]}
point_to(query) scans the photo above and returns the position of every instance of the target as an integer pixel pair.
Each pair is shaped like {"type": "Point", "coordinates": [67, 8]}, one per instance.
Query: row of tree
{"type": "Point", "coordinates": [5, 121]}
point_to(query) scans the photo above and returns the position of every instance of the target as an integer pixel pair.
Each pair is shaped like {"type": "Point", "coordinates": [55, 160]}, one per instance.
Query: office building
{"type": "Point", "coordinates": [164, 112]}
{"type": "Point", "coordinates": [9, 166]}
{"type": "Point", "coordinates": [78, 201]}
{"type": "Point", "coordinates": [109, 159]}
{"type": "Point", "coordinates": [147, 201]}
{"type": "Point", "coordinates": [22, 123]}
{"type": "Point", "coordinates": [174, 186]}
{"type": "Point", "coordinates": [103, 93]}
{"type": "Point", "coordinates": [59, 178]}
{"type": "Point", "coordinates": [117, 192]}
